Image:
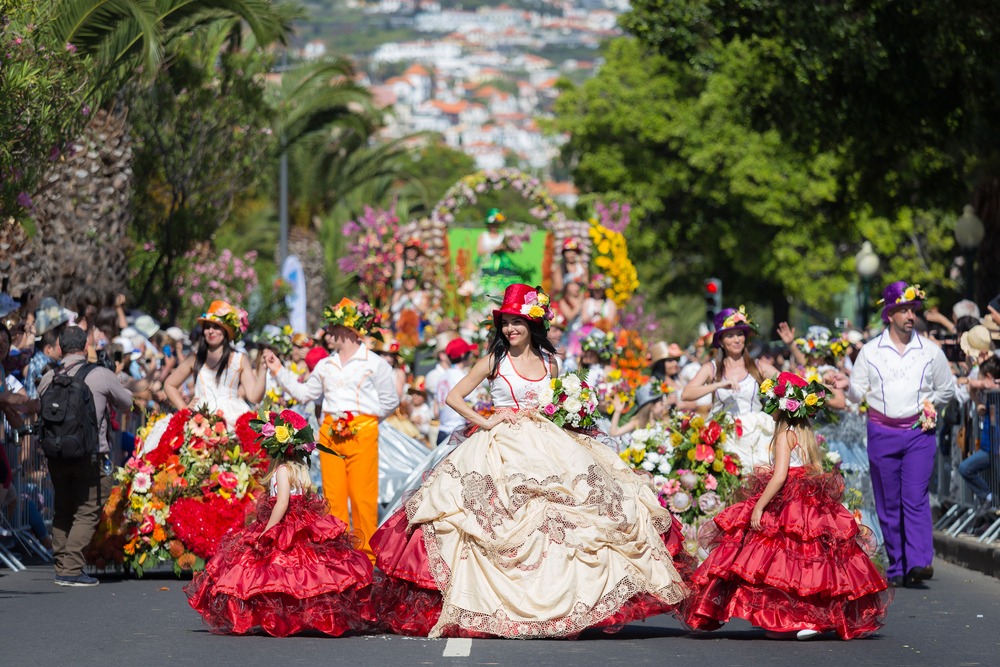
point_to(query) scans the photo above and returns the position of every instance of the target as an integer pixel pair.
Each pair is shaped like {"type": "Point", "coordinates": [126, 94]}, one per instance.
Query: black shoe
{"type": "Point", "coordinates": [899, 581]}
{"type": "Point", "coordinates": [918, 574]}
{"type": "Point", "coordinates": [81, 579]}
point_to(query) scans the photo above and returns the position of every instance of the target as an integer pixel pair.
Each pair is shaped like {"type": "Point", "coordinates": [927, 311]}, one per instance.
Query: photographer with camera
{"type": "Point", "coordinates": [75, 437]}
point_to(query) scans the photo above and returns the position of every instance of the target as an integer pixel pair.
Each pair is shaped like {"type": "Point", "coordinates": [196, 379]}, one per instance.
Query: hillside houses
{"type": "Point", "coordinates": [478, 78]}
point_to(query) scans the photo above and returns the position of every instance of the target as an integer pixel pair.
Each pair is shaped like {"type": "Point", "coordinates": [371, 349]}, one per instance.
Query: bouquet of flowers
{"type": "Point", "coordinates": [340, 427]}
{"type": "Point", "coordinates": [515, 236]}
{"type": "Point", "coordinates": [614, 386]}
{"type": "Point", "coordinates": [285, 435]}
{"type": "Point", "coordinates": [693, 474]}
{"type": "Point", "coordinates": [792, 394]}
{"type": "Point", "coordinates": [604, 344]}
{"type": "Point", "coordinates": [177, 502]}
{"type": "Point", "coordinates": [569, 401]}
{"type": "Point", "coordinates": [927, 421]}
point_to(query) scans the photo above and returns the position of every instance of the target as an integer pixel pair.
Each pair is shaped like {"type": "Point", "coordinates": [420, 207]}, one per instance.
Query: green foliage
{"type": "Point", "coordinates": [903, 93]}
{"type": "Point", "coordinates": [200, 138]}
{"type": "Point", "coordinates": [711, 193]}
{"type": "Point", "coordinates": [41, 103]}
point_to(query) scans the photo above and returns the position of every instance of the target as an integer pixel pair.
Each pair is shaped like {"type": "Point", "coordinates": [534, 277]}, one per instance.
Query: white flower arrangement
{"type": "Point", "coordinates": [572, 402]}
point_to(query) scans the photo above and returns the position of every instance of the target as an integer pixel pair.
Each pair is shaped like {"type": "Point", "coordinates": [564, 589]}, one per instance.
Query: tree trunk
{"type": "Point", "coordinates": [82, 212]}
{"type": "Point", "coordinates": [779, 308]}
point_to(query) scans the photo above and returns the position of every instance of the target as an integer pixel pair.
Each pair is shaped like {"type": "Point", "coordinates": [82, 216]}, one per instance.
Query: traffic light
{"type": "Point", "coordinates": [713, 297]}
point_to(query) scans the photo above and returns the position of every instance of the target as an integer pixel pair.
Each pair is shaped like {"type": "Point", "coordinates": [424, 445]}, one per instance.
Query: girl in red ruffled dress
{"type": "Point", "coordinates": [789, 558]}
{"type": "Point", "coordinates": [295, 567]}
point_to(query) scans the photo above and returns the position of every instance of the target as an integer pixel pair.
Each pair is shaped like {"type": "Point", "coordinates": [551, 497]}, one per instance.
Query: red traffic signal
{"type": "Point", "coordinates": [712, 287]}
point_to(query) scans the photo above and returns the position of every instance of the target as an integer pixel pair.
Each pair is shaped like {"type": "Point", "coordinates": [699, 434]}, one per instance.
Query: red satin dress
{"type": "Point", "coordinates": [807, 568]}
{"type": "Point", "coordinates": [305, 574]}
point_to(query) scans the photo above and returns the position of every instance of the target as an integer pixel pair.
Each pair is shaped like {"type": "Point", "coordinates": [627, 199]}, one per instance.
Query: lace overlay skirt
{"type": "Point", "coordinates": [532, 531]}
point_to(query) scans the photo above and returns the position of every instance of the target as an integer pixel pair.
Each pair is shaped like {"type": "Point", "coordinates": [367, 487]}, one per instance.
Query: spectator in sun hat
{"type": "Point", "coordinates": [8, 304]}
{"type": "Point", "coordinates": [50, 315]}
{"type": "Point", "coordinates": [146, 325]}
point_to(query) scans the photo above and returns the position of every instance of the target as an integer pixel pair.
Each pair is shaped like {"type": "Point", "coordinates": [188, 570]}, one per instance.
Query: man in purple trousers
{"type": "Point", "coordinates": [904, 379]}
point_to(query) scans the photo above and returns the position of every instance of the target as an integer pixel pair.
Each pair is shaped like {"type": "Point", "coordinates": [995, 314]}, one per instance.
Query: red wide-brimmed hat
{"type": "Point", "coordinates": [531, 303]}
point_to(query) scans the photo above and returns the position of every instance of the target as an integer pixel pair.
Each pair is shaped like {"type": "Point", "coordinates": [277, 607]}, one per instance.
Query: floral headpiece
{"type": "Point", "coordinates": [738, 317]}
{"type": "Point", "coordinates": [604, 344]}
{"type": "Point", "coordinates": [276, 339]}
{"type": "Point", "coordinates": [599, 281]}
{"type": "Point", "coordinates": [571, 244]}
{"type": "Point", "coordinates": [793, 395]}
{"type": "Point", "coordinates": [413, 273]}
{"type": "Point", "coordinates": [528, 302]}
{"type": "Point", "coordinates": [234, 320]}
{"type": "Point", "coordinates": [660, 389]}
{"type": "Point", "coordinates": [361, 318]}
{"type": "Point", "coordinates": [494, 217]}
{"type": "Point", "coordinates": [287, 436]}
{"type": "Point", "coordinates": [899, 294]}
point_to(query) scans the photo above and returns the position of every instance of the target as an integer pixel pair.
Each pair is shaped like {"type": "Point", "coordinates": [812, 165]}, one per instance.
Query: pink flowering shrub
{"type": "Point", "coordinates": [371, 253]}
{"type": "Point", "coordinates": [209, 276]}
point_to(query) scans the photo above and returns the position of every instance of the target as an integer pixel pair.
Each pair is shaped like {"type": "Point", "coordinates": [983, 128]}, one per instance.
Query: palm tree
{"type": "Point", "coordinates": [82, 212]}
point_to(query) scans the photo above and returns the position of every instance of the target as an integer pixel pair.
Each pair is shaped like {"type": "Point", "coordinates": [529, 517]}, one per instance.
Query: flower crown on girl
{"type": "Point", "coordinates": [793, 395]}
{"type": "Point", "coordinates": [286, 436]}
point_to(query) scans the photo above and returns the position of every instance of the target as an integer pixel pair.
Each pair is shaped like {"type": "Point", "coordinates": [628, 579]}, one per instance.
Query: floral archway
{"type": "Point", "coordinates": [433, 231]}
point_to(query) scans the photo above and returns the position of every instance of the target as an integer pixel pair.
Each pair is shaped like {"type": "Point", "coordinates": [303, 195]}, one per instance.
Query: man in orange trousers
{"type": "Point", "coordinates": [358, 391]}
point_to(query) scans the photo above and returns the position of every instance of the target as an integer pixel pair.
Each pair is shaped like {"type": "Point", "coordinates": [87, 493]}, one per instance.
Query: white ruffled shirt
{"type": "Point", "coordinates": [897, 384]}
{"type": "Point", "coordinates": [363, 385]}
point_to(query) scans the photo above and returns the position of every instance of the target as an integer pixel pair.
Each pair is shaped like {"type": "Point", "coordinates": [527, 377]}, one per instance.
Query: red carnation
{"type": "Point", "coordinates": [249, 438]}
{"type": "Point", "coordinates": [296, 420]}
{"type": "Point", "coordinates": [201, 523]}
{"type": "Point", "coordinates": [710, 434]}
{"type": "Point", "coordinates": [791, 378]}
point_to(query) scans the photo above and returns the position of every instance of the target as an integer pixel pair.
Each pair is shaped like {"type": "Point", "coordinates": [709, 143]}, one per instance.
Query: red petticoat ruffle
{"type": "Point", "coordinates": [409, 602]}
{"type": "Point", "coordinates": [305, 574]}
{"type": "Point", "coordinates": [805, 568]}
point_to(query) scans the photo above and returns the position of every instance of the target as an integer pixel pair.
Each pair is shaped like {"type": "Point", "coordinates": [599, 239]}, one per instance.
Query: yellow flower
{"type": "Point", "coordinates": [604, 247]}
{"type": "Point", "coordinates": [339, 312]}
{"type": "Point", "coordinates": [697, 422]}
{"type": "Point", "coordinates": [811, 399]}
{"type": "Point", "coordinates": [910, 294]}
{"type": "Point", "coordinates": [676, 439]}
{"type": "Point", "coordinates": [767, 385]}
{"type": "Point", "coordinates": [691, 454]}
{"type": "Point", "coordinates": [536, 311]}
{"type": "Point", "coordinates": [543, 299]}
{"type": "Point", "coordinates": [718, 465]}
{"type": "Point", "coordinates": [282, 433]}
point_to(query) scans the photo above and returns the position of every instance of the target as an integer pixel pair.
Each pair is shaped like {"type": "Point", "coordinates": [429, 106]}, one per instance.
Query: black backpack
{"type": "Point", "coordinates": [69, 427]}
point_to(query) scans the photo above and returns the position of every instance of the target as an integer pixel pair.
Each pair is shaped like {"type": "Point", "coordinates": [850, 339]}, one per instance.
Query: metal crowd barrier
{"type": "Point", "coordinates": [962, 516]}
{"type": "Point", "coordinates": [33, 501]}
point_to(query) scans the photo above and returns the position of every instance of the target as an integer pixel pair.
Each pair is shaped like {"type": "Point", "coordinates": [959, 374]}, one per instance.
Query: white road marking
{"type": "Point", "coordinates": [457, 648]}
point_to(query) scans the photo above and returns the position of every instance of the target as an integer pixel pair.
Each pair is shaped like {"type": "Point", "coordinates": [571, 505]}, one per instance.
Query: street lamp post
{"type": "Point", "coordinates": [969, 233]}
{"type": "Point", "coordinates": [866, 263]}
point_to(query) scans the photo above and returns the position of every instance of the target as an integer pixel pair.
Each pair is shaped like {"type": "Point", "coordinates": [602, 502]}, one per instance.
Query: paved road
{"type": "Point", "coordinates": [953, 620]}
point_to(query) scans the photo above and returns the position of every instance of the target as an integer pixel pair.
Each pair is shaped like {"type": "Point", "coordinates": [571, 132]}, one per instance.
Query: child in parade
{"type": "Point", "coordinates": [789, 558]}
{"type": "Point", "coordinates": [295, 567]}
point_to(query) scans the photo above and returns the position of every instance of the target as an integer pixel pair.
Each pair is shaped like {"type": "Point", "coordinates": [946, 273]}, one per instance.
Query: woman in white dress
{"type": "Point", "coordinates": [525, 529]}
{"type": "Point", "coordinates": [224, 377]}
{"type": "Point", "coordinates": [734, 380]}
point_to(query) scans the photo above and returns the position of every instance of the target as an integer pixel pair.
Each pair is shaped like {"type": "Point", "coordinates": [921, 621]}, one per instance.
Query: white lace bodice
{"type": "Point", "coordinates": [222, 393]}
{"type": "Point", "coordinates": [509, 389]}
{"type": "Point", "coordinates": [743, 400]}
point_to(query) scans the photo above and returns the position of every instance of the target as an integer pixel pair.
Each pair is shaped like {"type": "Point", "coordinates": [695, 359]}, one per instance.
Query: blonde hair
{"type": "Point", "coordinates": [298, 474]}
{"type": "Point", "coordinates": [805, 437]}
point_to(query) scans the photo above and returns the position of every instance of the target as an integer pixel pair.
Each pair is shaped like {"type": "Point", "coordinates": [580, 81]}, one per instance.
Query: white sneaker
{"type": "Point", "coordinates": [806, 635]}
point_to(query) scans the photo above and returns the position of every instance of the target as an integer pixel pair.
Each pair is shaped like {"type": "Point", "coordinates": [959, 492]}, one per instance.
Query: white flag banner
{"type": "Point", "coordinates": [292, 273]}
